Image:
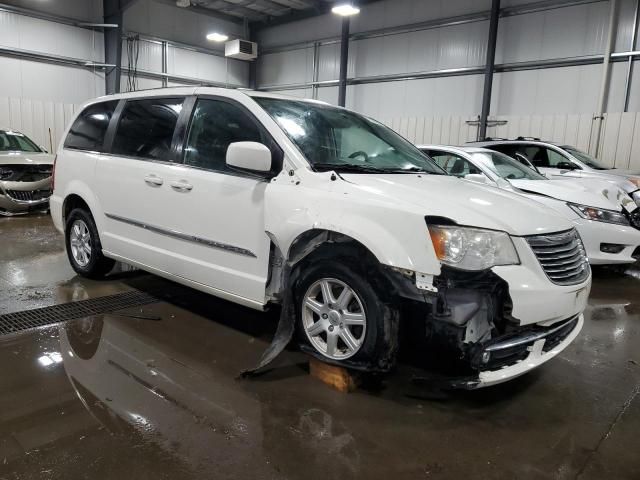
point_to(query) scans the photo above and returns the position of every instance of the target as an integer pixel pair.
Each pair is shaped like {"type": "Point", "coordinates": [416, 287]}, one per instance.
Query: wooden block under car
{"type": "Point", "coordinates": [336, 377]}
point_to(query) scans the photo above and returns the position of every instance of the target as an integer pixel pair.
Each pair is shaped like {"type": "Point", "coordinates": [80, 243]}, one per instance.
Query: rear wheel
{"type": "Point", "coordinates": [83, 246]}
{"type": "Point", "coordinates": [342, 316]}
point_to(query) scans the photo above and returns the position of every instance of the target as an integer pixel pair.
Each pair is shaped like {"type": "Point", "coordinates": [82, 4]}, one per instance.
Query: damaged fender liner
{"type": "Point", "coordinates": [287, 325]}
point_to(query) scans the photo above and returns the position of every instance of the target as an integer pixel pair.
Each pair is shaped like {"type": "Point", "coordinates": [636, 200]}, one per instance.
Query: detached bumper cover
{"type": "Point", "coordinates": [530, 350]}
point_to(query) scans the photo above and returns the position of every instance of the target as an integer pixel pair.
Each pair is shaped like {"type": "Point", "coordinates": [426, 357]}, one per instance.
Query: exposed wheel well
{"type": "Point", "coordinates": [72, 202]}
{"type": "Point", "coordinates": [316, 245]}
{"type": "Point", "coordinates": [326, 243]}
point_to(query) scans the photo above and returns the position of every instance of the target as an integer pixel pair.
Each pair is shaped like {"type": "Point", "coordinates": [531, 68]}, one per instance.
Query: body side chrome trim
{"type": "Point", "coordinates": [232, 297]}
{"type": "Point", "coordinates": [184, 236]}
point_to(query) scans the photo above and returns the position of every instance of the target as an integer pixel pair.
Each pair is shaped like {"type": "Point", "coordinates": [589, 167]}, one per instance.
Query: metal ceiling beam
{"type": "Point", "coordinates": [320, 8]}
{"type": "Point", "coordinates": [204, 11]}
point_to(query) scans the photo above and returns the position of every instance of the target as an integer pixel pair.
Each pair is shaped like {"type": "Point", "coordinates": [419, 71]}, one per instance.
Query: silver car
{"type": "Point", "coordinates": [564, 161]}
{"type": "Point", "coordinates": [25, 174]}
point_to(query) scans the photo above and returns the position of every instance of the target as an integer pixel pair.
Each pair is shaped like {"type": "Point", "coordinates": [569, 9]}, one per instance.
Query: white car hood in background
{"type": "Point", "coordinates": [464, 202]}
{"type": "Point", "coordinates": [24, 158]}
{"type": "Point", "coordinates": [592, 193]}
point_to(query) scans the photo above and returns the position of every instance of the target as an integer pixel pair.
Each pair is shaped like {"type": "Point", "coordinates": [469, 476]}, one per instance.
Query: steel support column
{"type": "Point", "coordinates": [634, 36]}
{"type": "Point", "coordinates": [112, 45]}
{"type": "Point", "coordinates": [594, 147]}
{"type": "Point", "coordinates": [344, 62]}
{"type": "Point", "coordinates": [489, 68]}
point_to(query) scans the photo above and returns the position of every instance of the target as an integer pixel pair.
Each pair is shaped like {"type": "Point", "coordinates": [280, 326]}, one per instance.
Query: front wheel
{"type": "Point", "coordinates": [343, 318]}
{"type": "Point", "coordinates": [83, 246]}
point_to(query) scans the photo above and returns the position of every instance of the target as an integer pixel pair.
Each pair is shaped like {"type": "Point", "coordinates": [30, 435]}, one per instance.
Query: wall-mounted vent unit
{"type": "Point", "coordinates": [241, 49]}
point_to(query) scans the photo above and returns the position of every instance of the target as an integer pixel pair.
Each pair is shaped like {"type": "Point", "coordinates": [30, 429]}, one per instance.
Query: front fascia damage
{"type": "Point", "coordinates": [458, 316]}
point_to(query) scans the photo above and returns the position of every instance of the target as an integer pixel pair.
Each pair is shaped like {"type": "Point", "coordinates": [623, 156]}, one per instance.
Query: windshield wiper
{"type": "Point", "coordinates": [345, 167]}
{"type": "Point", "coordinates": [416, 170]}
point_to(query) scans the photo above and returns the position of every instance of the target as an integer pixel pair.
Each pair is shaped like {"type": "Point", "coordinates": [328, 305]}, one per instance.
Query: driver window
{"type": "Point", "coordinates": [214, 125]}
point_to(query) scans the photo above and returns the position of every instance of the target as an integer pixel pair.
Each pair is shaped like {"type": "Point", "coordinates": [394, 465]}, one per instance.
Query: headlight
{"type": "Point", "coordinates": [599, 214]}
{"type": "Point", "coordinates": [472, 248]}
{"type": "Point", "coordinates": [636, 197]}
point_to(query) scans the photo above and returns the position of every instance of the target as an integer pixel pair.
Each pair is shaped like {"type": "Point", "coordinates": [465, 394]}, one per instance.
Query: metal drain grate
{"type": "Point", "coordinates": [39, 317]}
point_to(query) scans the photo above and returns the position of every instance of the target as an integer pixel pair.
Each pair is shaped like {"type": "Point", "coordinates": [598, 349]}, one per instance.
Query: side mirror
{"type": "Point", "coordinates": [251, 156]}
{"type": "Point", "coordinates": [477, 177]}
{"type": "Point", "coordinates": [566, 166]}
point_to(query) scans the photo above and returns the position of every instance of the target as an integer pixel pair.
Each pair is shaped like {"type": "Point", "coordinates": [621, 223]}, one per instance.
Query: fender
{"type": "Point", "coordinates": [396, 236]}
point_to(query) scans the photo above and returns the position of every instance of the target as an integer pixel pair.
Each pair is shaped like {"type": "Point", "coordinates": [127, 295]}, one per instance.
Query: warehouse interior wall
{"type": "Point", "coordinates": [40, 96]}
{"type": "Point", "coordinates": [37, 97]}
{"type": "Point", "coordinates": [555, 103]}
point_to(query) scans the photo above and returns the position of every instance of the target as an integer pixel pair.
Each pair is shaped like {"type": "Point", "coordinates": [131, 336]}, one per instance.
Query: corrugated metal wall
{"type": "Point", "coordinates": [436, 109]}
{"type": "Point", "coordinates": [35, 96]}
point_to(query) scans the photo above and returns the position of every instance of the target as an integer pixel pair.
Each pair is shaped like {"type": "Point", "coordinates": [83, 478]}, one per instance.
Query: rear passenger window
{"type": "Point", "coordinates": [216, 124]}
{"type": "Point", "coordinates": [146, 128]}
{"type": "Point", "coordinates": [87, 132]}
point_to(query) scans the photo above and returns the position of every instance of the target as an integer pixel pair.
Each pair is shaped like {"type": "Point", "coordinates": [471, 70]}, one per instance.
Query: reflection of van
{"type": "Point", "coordinates": [247, 195]}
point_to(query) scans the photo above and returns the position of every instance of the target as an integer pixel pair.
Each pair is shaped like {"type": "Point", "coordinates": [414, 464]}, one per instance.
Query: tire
{"type": "Point", "coordinates": [92, 263]}
{"type": "Point", "coordinates": [376, 336]}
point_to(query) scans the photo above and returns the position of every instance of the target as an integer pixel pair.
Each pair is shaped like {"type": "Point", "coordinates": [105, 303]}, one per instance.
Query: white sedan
{"type": "Point", "coordinates": [606, 217]}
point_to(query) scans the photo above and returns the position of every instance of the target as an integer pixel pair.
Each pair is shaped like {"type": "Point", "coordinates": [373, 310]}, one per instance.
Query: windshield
{"type": "Point", "coordinates": [11, 141]}
{"type": "Point", "coordinates": [585, 158]}
{"type": "Point", "coordinates": [337, 139]}
{"type": "Point", "coordinates": [505, 166]}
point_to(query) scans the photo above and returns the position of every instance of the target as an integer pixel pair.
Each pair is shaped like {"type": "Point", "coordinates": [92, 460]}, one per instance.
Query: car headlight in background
{"type": "Point", "coordinates": [599, 214]}
{"type": "Point", "coordinates": [472, 248]}
{"type": "Point", "coordinates": [636, 197]}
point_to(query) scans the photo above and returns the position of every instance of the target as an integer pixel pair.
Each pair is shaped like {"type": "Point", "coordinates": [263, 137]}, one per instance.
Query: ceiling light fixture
{"type": "Point", "coordinates": [217, 37]}
{"type": "Point", "coordinates": [345, 9]}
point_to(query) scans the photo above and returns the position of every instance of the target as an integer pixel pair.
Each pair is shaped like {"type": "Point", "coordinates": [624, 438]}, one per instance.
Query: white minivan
{"type": "Point", "coordinates": [263, 199]}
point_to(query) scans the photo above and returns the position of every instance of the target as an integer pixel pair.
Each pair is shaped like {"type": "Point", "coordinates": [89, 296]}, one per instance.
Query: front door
{"type": "Point", "coordinates": [220, 239]}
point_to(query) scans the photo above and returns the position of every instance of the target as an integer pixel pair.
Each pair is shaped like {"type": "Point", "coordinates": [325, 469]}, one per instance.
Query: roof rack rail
{"type": "Point", "coordinates": [535, 139]}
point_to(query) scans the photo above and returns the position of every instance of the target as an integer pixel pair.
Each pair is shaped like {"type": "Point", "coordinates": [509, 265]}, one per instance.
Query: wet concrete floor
{"type": "Point", "coordinates": [120, 397]}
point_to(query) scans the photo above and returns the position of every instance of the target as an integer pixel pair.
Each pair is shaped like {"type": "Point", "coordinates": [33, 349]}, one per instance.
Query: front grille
{"type": "Point", "coordinates": [562, 257]}
{"type": "Point", "coordinates": [29, 196]}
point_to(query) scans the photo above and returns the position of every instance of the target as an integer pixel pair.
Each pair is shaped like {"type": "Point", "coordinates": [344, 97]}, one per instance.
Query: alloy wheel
{"type": "Point", "coordinates": [334, 318]}
{"type": "Point", "coordinates": [80, 242]}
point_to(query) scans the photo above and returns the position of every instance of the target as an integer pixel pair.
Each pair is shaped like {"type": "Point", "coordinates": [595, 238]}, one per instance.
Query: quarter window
{"type": "Point", "coordinates": [88, 130]}
{"type": "Point", "coordinates": [146, 128]}
{"type": "Point", "coordinates": [214, 126]}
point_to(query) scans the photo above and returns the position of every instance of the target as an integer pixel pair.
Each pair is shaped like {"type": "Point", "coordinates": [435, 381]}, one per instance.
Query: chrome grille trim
{"type": "Point", "coordinates": [562, 256]}
{"type": "Point", "coordinates": [28, 195]}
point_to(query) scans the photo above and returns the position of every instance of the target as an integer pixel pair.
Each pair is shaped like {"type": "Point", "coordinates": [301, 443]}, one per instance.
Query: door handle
{"type": "Point", "coordinates": [153, 180]}
{"type": "Point", "coordinates": [181, 186]}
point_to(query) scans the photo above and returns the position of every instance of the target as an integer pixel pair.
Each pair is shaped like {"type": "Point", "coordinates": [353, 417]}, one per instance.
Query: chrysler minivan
{"type": "Point", "coordinates": [262, 199]}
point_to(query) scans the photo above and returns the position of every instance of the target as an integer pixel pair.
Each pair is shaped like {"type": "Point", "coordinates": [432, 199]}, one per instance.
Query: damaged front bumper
{"type": "Point", "coordinates": [19, 198]}
{"type": "Point", "coordinates": [485, 328]}
{"type": "Point", "coordinates": [514, 355]}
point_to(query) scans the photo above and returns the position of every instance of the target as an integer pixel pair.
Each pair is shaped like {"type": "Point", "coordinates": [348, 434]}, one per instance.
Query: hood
{"type": "Point", "coordinates": [620, 171]}
{"type": "Point", "coordinates": [592, 193]}
{"type": "Point", "coordinates": [462, 201]}
{"type": "Point", "coordinates": [615, 176]}
{"type": "Point", "coordinates": [25, 158]}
